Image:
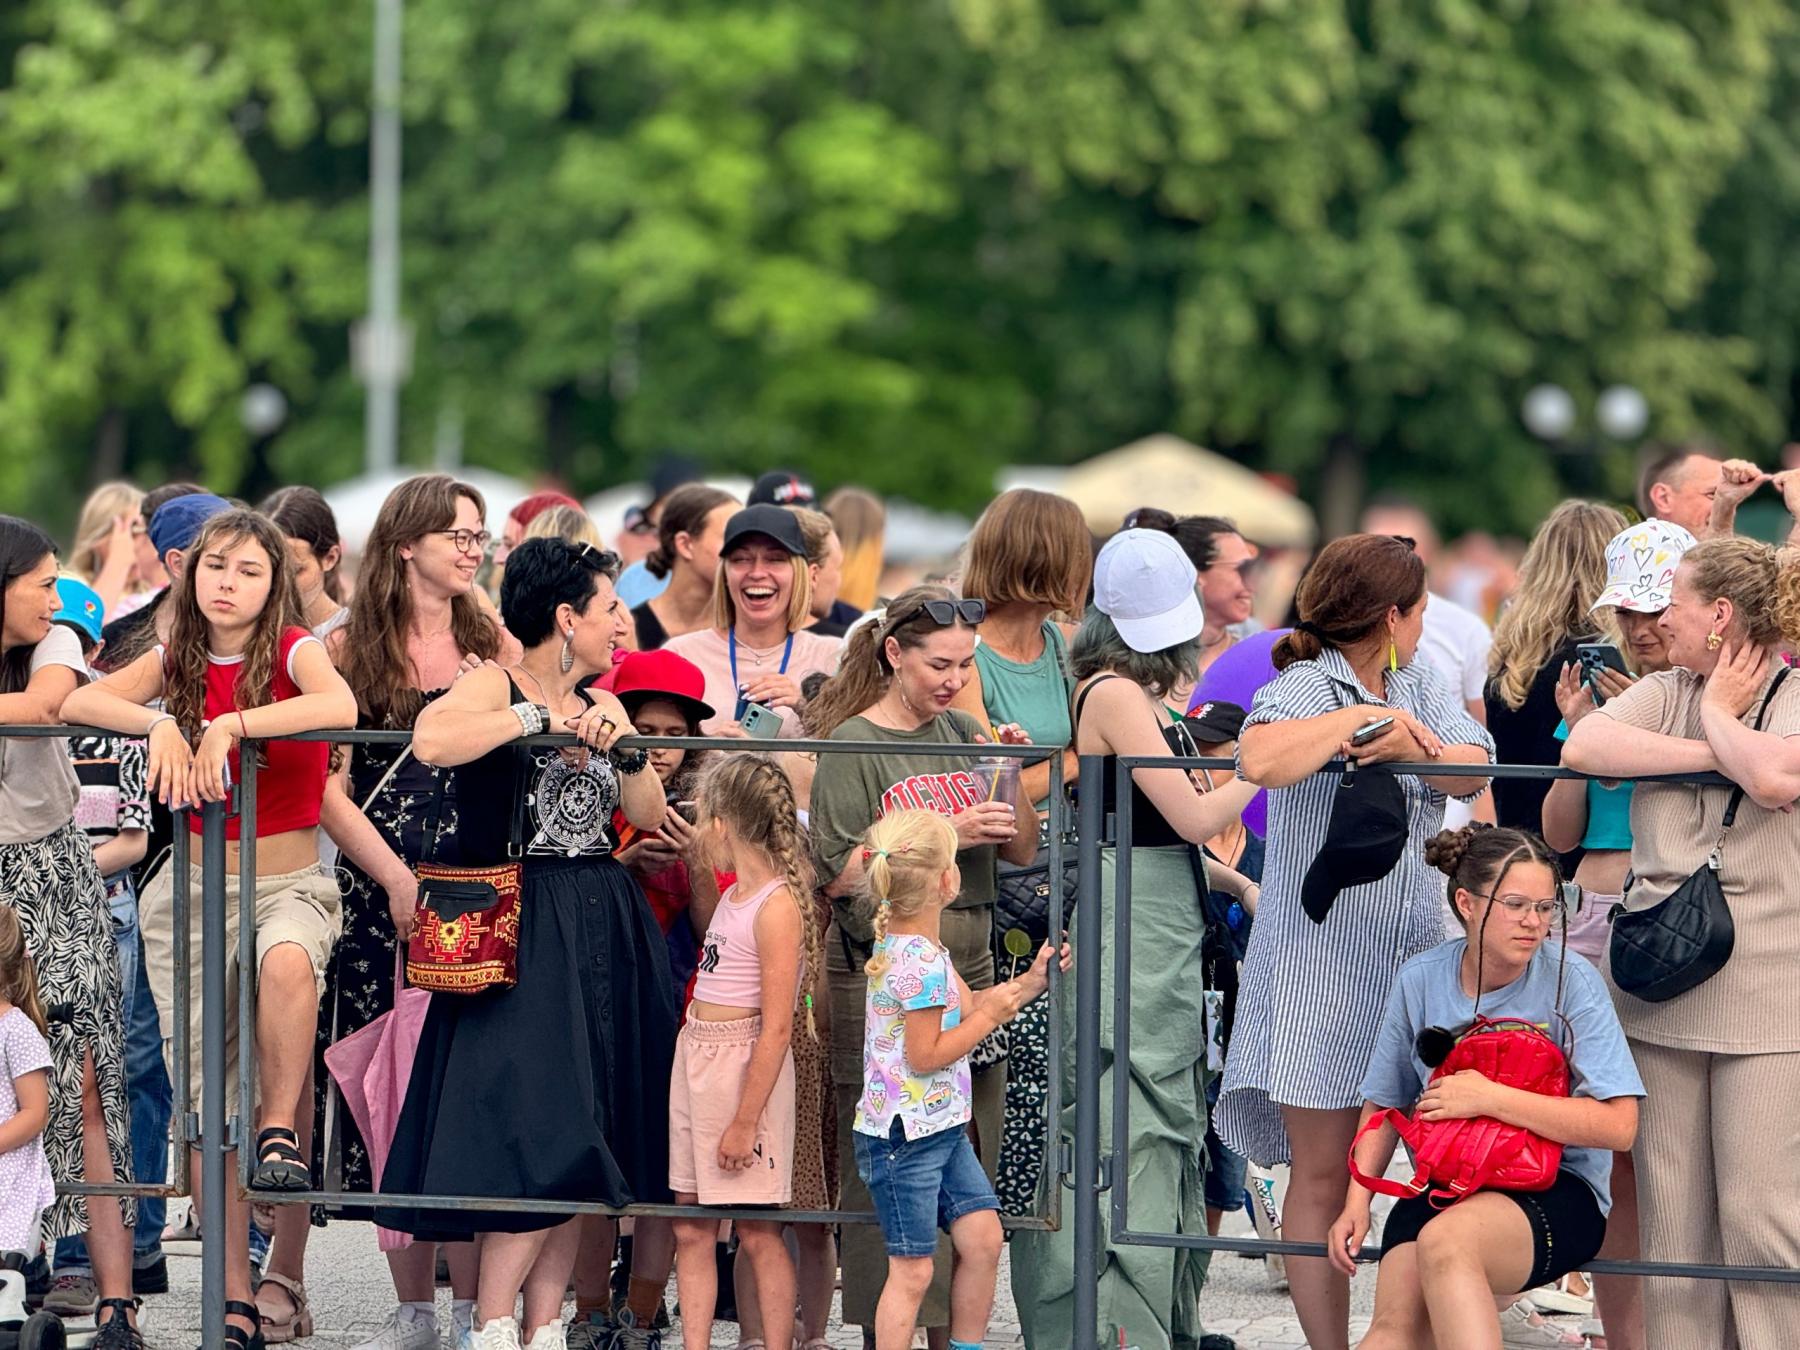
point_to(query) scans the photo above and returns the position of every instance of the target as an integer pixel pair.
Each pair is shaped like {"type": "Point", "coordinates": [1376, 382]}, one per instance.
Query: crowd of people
{"type": "Point", "coordinates": [767, 979]}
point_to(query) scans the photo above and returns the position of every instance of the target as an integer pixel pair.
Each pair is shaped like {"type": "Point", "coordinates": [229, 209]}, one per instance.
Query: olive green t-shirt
{"type": "Point", "coordinates": [852, 791]}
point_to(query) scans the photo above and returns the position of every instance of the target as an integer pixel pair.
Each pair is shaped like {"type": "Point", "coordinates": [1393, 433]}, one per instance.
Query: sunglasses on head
{"type": "Point", "coordinates": [946, 612]}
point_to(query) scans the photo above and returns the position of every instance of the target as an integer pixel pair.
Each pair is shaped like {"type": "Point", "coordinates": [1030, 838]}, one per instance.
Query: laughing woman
{"type": "Point", "coordinates": [759, 651]}
{"type": "Point", "coordinates": [594, 1003]}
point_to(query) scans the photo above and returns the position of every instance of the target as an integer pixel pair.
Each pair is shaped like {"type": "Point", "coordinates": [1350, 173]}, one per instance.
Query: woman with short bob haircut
{"type": "Point", "coordinates": [1718, 1171]}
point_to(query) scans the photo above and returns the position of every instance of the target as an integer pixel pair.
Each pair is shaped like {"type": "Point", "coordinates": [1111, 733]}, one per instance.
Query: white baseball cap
{"type": "Point", "coordinates": [1144, 583]}
{"type": "Point", "coordinates": [1640, 566]}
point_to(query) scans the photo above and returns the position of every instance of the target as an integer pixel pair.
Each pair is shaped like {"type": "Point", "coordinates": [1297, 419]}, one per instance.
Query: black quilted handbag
{"type": "Point", "coordinates": [1022, 896]}
{"type": "Point", "coordinates": [1675, 946]}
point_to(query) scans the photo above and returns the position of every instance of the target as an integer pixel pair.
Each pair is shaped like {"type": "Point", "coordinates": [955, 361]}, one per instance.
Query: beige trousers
{"type": "Point", "coordinates": [1718, 1175]}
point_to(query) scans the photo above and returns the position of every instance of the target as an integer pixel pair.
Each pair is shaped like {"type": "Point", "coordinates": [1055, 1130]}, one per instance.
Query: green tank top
{"type": "Point", "coordinates": [1036, 695]}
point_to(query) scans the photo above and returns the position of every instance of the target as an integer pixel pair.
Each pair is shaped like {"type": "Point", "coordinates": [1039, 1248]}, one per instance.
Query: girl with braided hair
{"type": "Point", "coordinates": [921, 1020]}
{"type": "Point", "coordinates": [1441, 1268]}
{"type": "Point", "coordinates": [731, 1096]}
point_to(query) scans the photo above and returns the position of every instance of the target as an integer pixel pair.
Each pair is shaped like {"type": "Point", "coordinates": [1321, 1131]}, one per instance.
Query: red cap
{"type": "Point", "coordinates": [539, 502]}
{"type": "Point", "coordinates": [638, 677]}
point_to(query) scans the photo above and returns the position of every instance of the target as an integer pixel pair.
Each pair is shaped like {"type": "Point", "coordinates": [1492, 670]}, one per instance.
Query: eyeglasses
{"type": "Point", "coordinates": [1518, 906]}
{"type": "Point", "coordinates": [468, 541]}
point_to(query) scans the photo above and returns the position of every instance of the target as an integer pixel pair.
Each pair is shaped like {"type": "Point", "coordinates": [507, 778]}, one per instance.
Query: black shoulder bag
{"type": "Point", "coordinates": [1675, 946]}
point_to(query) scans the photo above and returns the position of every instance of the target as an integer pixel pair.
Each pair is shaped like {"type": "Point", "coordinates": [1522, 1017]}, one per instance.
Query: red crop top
{"type": "Point", "coordinates": [291, 783]}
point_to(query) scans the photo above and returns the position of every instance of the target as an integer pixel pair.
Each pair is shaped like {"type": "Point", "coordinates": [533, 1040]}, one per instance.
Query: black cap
{"type": "Point", "coordinates": [1215, 723]}
{"type": "Point", "coordinates": [782, 487]}
{"type": "Point", "coordinates": [777, 522]}
{"type": "Point", "coordinates": [1363, 841]}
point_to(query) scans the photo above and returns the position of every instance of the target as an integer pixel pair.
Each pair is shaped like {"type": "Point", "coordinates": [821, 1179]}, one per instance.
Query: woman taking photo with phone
{"type": "Point", "coordinates": [1320, 962]}
{"type": "Point", "coordinates": [592, 998]}
{"type": "Point", "coordinates": [1718, 1176]}
{"type": "Point", "coordinates": [758, 650]}
{"type": "Point", "coordinates": [901, 672]}
{"type": "Point", "coordinates": [239, 666]}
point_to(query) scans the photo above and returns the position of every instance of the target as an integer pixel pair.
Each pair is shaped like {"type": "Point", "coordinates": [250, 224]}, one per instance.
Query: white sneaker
{"type": "Point", "coordinates": [404, 1331]}
{"type": "Point", "coordinates": [499, 1333]}
{"type": "Point", "coordinates": [1523, 1328]}
{"type": "Point", "coordinates": [462, 1318]}
{"type": "Point", "coordinates": [550, 1336]}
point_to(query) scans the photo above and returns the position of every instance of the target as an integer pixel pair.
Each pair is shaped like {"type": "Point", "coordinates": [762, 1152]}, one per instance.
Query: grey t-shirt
{"type": "Point", "coordinates": [851, 792]}
{"type": "Point", "coordinates": [1428, 993]}
{"type": "Point", "coordinates": [38, 788]}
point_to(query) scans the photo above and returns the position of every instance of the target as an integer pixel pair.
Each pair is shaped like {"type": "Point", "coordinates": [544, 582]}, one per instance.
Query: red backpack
{"type": "Point", "coordinates": [1455, 1158]}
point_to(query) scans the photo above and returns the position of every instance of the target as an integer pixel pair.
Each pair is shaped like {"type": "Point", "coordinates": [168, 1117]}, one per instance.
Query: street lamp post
{"type": "Point", "coordinates": [1550, 413]}
{"type": "Point", "coordinates": [381, 344]}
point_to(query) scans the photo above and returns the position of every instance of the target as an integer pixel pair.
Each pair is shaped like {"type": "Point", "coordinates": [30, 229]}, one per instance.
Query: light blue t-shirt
{"type": "Point", "coordinates": [1428, 993]}
{"type": "Point", "coordinates": [635, 586]}
{"type": "Point", "coordinates": [1608, 809]}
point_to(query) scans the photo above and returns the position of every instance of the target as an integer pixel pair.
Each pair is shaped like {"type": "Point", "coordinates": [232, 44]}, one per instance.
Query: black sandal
{"type": "Point", "coordinates": [279, 1166]}
{"type": "Point", "coordinates": [117, 1331]}
{"type": "Point", "coordinates": [238, 1338]}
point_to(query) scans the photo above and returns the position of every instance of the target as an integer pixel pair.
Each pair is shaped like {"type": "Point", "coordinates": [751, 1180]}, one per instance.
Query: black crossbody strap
{"type": "Point", "coordinates": [1737, 794]}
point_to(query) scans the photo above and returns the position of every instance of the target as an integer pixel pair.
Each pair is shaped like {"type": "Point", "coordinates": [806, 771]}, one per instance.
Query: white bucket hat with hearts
{"type": "Point", "coordinates": [1640, 566]}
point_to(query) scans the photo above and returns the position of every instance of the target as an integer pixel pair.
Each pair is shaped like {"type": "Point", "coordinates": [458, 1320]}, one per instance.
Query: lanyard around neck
{"type": "Point", "coordinates": [731, 650]}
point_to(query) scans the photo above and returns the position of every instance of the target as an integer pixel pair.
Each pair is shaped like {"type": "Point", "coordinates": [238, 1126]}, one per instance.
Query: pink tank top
{"type": "Point", "coordinates": [730, 968]}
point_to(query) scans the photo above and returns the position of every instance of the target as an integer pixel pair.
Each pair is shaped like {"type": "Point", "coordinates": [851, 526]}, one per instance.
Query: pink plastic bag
{"type": "Point", "coordinates": [371, 1068]}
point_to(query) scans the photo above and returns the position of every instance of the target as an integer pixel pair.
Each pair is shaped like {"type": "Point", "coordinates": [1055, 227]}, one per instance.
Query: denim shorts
{"type": "Point", "coordinates": [921, 1185]}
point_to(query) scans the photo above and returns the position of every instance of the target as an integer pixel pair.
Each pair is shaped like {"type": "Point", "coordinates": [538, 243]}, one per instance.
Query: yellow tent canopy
{"type": "Point", "coordinates": [1167, 471]}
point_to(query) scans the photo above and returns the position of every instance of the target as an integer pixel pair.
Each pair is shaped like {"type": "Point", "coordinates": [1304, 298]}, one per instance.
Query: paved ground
{"type": "Point", "coordinates": [351, 1298]}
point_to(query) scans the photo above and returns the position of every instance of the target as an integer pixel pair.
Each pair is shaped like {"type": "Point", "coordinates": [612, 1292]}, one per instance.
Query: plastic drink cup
{"type": "Point", "coordinates": [997, 780]}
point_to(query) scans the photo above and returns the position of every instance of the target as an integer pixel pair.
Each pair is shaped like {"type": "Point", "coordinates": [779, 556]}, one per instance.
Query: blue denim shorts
{"type": "Point", "coordinates": [922, 1185]}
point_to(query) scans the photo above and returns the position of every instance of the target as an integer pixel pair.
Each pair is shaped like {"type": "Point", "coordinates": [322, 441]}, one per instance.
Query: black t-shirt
{"type": "Point", "coordinates": [1527, 735]}
{"type": "Point", "coordinates": [651, 635]}
{"type": "Point", "coordinates": [837, 620]}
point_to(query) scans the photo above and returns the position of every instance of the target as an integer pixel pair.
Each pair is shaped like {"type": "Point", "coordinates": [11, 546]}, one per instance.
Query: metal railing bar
{"type": "Point", "coordinates": [242, 1131]}
{"type": "Point", "coordinates": [212, 1051]}
{"type": "Point", "coordinates": [1085, 1173]}
{"type": "Point", "coordinates": [1059, 808]}
{"type": "Point", "coordinates": [1120, 937]}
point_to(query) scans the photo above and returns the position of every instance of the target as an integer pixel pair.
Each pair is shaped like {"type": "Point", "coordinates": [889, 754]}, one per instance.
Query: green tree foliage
{"type": "Point", "coordinates": [900, 242]}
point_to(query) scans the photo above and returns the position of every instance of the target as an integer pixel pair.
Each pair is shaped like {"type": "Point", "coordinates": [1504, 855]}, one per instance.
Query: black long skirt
{"type": "Point", "coordinates": [557, 1088]}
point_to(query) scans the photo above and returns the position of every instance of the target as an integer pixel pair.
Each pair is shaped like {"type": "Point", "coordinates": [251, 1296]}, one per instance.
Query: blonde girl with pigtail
{"type": "Point", "coordinates": [731, 1097]}
{"type": "Point", "coordinates": [911, 1129]}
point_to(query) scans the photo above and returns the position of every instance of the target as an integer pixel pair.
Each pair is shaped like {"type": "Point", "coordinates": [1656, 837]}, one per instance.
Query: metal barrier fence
{"type": "Point", "coordinates": [1079, 1163]}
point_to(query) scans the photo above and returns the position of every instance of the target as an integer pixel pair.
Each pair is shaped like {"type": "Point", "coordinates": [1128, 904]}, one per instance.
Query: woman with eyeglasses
{"type": "Point", "coordinates": [1223, 561]}
{"type": "Point", "coordinates": [1442, 1265]}
{"type": "Point", "coordinates": [757, 650]}
{"type": "Point", "coordinates": [415, 624]}
{"type": "Point", "coordinates": [901, 672]}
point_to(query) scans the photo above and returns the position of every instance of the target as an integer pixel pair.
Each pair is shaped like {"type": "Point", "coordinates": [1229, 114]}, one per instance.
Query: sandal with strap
{"type": "Point", "coordinates": [117, 1331]}
{"type": "Point", "coordinates": [236, 1337]}
{"type": "Point", "coordinates": [279, 1165]}
{"type": "Point", "coordinates": [298, 1324]}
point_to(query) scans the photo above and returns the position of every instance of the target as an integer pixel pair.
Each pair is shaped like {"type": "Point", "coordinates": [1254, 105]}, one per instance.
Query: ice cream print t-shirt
{"type": "Point", "coordinates": [918, 975]}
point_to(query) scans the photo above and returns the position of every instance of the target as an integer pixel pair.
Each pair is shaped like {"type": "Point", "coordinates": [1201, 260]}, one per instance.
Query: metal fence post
{"type": "Point", "coordinates": [1086, 1172]}
{"type": "Point", "coordinates": [212, 1058]}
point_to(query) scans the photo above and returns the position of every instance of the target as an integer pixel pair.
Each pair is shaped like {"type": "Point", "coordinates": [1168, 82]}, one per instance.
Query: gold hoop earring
{"type": "Point", "coordinates": [1393, 658]}
{"type": "Point", "coordinates": [1714, 642]}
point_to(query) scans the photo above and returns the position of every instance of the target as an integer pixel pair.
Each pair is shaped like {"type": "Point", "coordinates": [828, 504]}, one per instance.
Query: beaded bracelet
{"type": "Point", "coordinates": [629, 762]}
{"type": "Point", "coordinates": [532, 718]}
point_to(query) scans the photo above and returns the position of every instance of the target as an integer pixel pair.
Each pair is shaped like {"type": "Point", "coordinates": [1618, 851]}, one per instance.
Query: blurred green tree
{"type": "Point", "coordinates": [905, 243]}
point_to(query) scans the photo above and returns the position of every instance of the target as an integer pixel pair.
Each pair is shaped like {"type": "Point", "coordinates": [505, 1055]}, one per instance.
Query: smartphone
{"type": "Point", "coordinates": [685, 810]}
{"type": "Point", "coordinates": [1368, 731]}
{"type": "Point", "coordinates": [1593, 655]}
{"type": "Point", "coordinates": [760, 722]}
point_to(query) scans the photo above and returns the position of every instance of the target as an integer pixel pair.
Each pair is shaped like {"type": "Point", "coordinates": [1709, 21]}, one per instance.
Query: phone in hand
{"type": "Point", "coordinates": [1593, 657]}
{"type": "Point", "coordinates": [760, 722]}
{"type": "Point", "coordinates": [1368, 731]}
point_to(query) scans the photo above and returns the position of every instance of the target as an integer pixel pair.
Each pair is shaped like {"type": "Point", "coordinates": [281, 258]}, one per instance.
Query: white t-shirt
{"type": "Point", "coordinates": [1455, 644]}
{"type": "Point", "coordinates": [38, 788]}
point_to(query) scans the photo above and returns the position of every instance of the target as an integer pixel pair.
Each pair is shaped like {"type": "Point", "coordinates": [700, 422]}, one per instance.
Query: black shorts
{"type": "Point", "coordinates": [1567, 1226]}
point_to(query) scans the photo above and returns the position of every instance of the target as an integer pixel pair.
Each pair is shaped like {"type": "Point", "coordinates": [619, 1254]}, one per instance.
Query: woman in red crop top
{"type": "Point", "coordinates": [239, 666]}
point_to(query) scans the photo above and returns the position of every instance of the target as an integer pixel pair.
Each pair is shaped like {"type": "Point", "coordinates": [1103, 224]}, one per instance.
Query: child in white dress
{"type": "Point", "coordinates": [26, 1187]}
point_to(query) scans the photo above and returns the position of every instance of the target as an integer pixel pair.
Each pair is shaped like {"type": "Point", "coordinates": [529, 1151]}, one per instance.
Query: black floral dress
{"type": "Point", "coordinates": [415, 813]}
